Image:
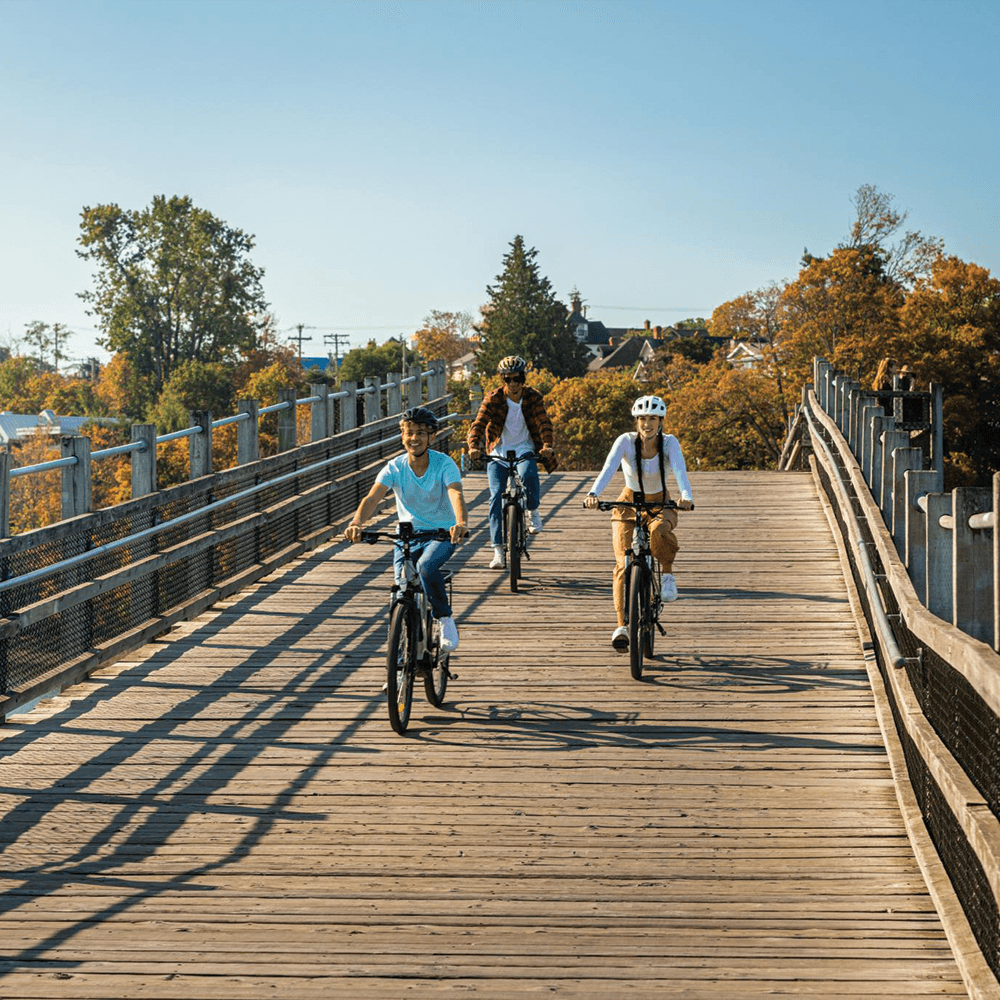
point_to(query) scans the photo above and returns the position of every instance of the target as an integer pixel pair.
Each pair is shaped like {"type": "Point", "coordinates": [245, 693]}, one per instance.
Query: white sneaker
{"type": "Point", "coordinates": [619, 639]}
{"type": "Point", "coordinates": [534, 522]}
{"type": "Point", "coordinates": [668, 588]}
{"type": "Point", "coordinates": [498, 561]}
{"type": "Point", "coordinates": [449, 635]}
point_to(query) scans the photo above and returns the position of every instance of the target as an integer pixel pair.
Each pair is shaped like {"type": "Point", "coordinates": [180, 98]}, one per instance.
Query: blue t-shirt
{"type": "Point", "coordinates": [423, 500]}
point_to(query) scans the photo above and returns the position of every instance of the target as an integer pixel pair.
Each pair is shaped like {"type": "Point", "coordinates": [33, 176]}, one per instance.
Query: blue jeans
{"type": "Point", "coordinates": [430, 556]}
{"type": "Point", "coordinates": [497, 474]}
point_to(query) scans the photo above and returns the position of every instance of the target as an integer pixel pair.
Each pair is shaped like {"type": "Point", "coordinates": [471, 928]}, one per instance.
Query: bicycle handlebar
{"type": "Point", "coordinates": [419, 535]}
{"type": "Point", "coordinates": [639, 505]}
{"type": "Point", "coordinates": [508, 460]}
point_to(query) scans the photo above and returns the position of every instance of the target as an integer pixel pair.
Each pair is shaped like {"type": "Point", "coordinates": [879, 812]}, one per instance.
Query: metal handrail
{"type": "Point", "coordinates": [896, 658]}
{"type": "Point", "coordinates": [123, 449]}
{"type": "Point", "coordinates": [977, 522]}
{"type": "Point", "coordinates": [64, 564]}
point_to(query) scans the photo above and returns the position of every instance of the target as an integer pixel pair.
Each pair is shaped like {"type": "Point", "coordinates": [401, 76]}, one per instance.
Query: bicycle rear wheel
{"type": "Point", "coordinates": [400, 667]}
{"type": "Point", "coordinates": [515, 529]}
{"type": "Point", "coordinates": [638, 601]}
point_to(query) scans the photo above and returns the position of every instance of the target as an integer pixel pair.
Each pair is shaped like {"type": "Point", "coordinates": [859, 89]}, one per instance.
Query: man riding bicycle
{"type": "Point", "coordinates": [644, 457]}
{"type": "Point", "coordinates": [428, 489]}
{"type": "Point", "coordinates": [512, 418]}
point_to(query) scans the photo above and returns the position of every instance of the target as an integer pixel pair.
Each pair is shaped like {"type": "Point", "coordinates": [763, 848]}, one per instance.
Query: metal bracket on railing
{"type": "Point", "coordinates": [918, 659]}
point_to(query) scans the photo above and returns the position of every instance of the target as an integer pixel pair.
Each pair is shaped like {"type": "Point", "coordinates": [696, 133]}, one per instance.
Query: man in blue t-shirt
{"type": "Point", "coordinates": [428, 489]}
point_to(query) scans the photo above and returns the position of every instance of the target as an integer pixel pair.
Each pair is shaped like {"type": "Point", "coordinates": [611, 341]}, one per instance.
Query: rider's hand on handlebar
{"type": "Point", "coordinates": [590, 501]}
{"type": "Point", "coordinates": [353, 532]}
{"type": "Point", "coordinates": [458, 532]}
{"type": "Point", "coordinates": [685, 505]}
{"type": "Point", "coordinates": [546, 450]}
{"type": "Point", "coordinates": [475, 454]}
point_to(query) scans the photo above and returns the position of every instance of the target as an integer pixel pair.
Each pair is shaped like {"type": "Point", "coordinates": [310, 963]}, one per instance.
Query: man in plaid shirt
{"type": "Point", "coordinates": [512, 417]}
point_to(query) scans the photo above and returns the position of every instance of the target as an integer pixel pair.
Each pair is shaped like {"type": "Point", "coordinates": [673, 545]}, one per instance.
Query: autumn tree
{"type": "Point", "coordinates": [173, 284]}
{"type": "Point", "coordinates": [444, 336]}
{"type": "Point", "coordinates": [951, 335]}
{"type": "Point", "coordinates": [524, 317]}
{"type": "Point", "coordinates": [193, 385]}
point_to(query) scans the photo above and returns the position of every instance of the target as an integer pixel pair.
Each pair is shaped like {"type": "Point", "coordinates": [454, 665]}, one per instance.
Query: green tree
{"type": "Point", "coordinates": [374, 360]}
{"type": "Point", "coordinates": [524, 317]}
{"type": "Point", "coordinates": [193, 385]}
{"type": "Point", "coordinates": [173, 284]}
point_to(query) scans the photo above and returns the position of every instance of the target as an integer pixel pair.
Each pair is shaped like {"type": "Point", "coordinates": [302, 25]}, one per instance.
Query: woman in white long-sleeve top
{"type": "Point", "coordinates": [645, 456]}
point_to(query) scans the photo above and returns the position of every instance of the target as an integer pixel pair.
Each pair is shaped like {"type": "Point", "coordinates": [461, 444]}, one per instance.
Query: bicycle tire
{"type": "Point", "coordinates": [400, 668]}
{"type": "Point", "coordinates": [638, 587]}
{"type": "Point", "coordinates": [515, 526]}
{"type": "Point", "coordinates": [436, 679]}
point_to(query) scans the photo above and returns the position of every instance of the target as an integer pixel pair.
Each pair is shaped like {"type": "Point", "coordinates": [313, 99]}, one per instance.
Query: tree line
{"type": "Point", "coordinates": [181, 307]}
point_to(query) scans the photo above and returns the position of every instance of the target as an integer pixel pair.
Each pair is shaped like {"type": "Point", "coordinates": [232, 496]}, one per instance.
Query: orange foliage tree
{"type": "Point", "coordinates": [950, 334]}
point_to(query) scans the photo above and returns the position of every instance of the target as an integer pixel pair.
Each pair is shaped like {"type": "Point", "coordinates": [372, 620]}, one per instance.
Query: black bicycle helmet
{"type": "Point", "coordinates": [513, 364]}
{"type": "Point", "coordinates": [419, 415]}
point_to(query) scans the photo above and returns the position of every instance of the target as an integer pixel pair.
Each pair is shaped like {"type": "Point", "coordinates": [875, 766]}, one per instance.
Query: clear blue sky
{"type": "Point", "coordinates": [662, 157]}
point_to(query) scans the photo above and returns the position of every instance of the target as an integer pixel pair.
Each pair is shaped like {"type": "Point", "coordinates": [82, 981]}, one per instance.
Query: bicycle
{"type": "Point", "coordinates": [414, 649]}
{"type": "Point", "coordinates": [515, 495]}
{"type": "Point", "coordinates": [643, 577]}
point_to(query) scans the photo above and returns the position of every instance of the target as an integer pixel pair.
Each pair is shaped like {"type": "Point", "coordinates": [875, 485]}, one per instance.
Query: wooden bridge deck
{"type": "Point", "coordinates": [228, 814]}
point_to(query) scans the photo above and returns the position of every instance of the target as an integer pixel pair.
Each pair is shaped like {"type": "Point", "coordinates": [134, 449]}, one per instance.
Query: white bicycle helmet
{"type": "Point", "coordinates": [649, 406]}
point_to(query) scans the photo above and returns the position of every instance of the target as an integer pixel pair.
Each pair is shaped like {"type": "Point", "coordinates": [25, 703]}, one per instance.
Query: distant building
{"type": "Point", "coordinates": [21, 426]}
{"type": "Point", "coordinates": [744, 354]}
{"type": "Point", "coordinates": [633, 353]}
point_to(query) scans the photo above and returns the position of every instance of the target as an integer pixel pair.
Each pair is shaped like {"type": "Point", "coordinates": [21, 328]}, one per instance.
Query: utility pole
{"type": "Point", "coordinates": [300, 327]}
{"type": "Point", "coordinates": [335, 339]}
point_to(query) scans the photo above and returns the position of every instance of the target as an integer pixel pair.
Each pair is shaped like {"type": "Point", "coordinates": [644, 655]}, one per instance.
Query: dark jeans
{"type": "Point", "coordinates": [430, 556]}
{"type": "Point", "coordinates": [497, 474]}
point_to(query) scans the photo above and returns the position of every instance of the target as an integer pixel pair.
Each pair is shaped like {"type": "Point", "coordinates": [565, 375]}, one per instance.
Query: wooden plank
{"type": "Point", "coordinates": [225, 812]}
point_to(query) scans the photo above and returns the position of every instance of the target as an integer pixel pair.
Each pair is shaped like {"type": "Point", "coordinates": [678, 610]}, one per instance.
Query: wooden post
{"type": "Point", "coordinates": [891, 440]}
{"type": "Point", "coordinates": [440, 379]}
{"type": "Point", "coordinates": [349, 406]}
{"type": "Point", "coordinates": [4, 493]}
{"type": "Point", "coordinates": [869, 412]}
{"type": "Point", "coordinates": [414, 390]}
{"type": "Point", "coordinates": [144, 462]}
{"type": "Point", "coordinates": [938, 549]}
{"type": "Point", "coordinates": [317, 412]}
{"type": "Point", "coordinates": [373, 400]}
{"type": "Point", "coordinates": [879, 426]}
{"type": "Point", "coordinates": [287, 425]}
{"type": "Point", "coordinates": [937, 428]}
{"type": "Point", "coordinates": [75, 478]}
{"type": "Point", "coordinates": [331, 413]}
{"type": "Point", "coordinates": [903, 460]}
{"type": "Point", "coordinates": [200, 445]}
{"type": "Point", "coordinates": [972, 588]}
{"type": "Point", "coordinates": [247, 438]}
{"type": "Point", "coordinates": [393, 394]}
{"type": "Point", "coordinates": [917, 481]}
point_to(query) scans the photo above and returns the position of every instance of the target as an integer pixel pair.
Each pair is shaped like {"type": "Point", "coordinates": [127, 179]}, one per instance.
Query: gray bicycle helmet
{"type": "Point", "coordinates": [513, 364]}
{"type": "Point", "coordinates": [649, 406]}
{"type": "Point", "coordinates": [419, 415]}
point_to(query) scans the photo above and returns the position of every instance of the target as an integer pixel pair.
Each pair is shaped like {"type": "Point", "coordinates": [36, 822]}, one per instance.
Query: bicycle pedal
{"type": "Point", "coordinates": [663, 631]}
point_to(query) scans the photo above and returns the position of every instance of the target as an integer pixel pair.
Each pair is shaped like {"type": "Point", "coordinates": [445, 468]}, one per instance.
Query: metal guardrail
{"type": "Point", "coordinates": [81, 591]}
{"type": "Point", "coordinates": [941, 684]}
{"type": "Point", "coordinates": [77, 457]}
{"type": "Point", "coordinates": [946, 541]}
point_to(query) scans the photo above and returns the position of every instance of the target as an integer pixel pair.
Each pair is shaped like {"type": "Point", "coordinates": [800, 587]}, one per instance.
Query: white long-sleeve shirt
{"type": "Point", "coordinates": [623, 454]}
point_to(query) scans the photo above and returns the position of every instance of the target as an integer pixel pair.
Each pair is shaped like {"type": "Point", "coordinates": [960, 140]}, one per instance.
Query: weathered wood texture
{"type": "Point", "coordinates": [228, 814]}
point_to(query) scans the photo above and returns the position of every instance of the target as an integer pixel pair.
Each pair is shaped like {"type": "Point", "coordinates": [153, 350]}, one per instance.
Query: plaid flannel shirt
{"type": "Point", "coordinates": [492, 415]}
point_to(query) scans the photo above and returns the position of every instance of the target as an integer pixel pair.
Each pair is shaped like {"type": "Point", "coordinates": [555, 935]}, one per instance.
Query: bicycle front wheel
{"type": "Point", "coordinates": [651, 613]}
{"type": "Point", "coordinates": [436, 679]}
{"type": "Point", "coordinates": [515, 541]}
{"type": "Point", "coordinates": [638, 602]}
{"type": "Point", "coordinates": [400, 667]}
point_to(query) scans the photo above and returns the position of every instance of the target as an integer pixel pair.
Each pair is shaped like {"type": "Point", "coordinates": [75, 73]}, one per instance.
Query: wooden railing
{"type": "Point", "coordinates": [84, 590]}
{"type": "Point", "coordinates": [941, 674]}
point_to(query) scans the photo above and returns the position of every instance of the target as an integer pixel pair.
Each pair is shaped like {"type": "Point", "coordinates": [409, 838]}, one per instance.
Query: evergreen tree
{"type": "Point", "coordinates": [524, 317]}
